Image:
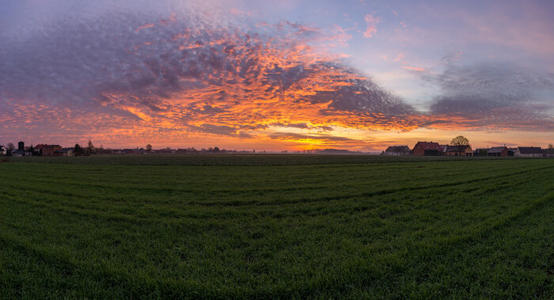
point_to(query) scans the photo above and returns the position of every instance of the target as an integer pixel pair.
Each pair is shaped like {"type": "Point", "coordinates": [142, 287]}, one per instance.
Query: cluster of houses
{"type": "Point", "coordinates": [436, 149]}
{"type": "Point", "coordinates": [38, 150]}
{"type": "Point", "coordinates": [420, 149]}
{"type": "Point", "coordinates": [57, 150]}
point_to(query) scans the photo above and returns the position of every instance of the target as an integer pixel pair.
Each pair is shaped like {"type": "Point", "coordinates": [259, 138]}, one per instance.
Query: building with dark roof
{"type": "Point", "coordinates": [49, 150]}
{"type": "Point", "coordinates": [529, 152]}
{"type": "Point", "coordinates": [499, 151]}
{"type": "Point", "coordinates": [459, 150]}
{"type": "Point", "coordinates": [397, 151]}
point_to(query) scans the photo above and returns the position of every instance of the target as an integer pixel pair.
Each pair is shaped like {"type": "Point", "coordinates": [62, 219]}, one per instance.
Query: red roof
{"type": "Point", "coordinates": [428, 146]}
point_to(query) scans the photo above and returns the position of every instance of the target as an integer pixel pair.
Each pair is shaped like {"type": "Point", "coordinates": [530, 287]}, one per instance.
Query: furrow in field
{"type": "Point", "coordinates": [279, 199]}
{"type": "Point", "coordinates": [108, 182]}
{"type": "Point", "coordinates": [138, 285]}
{"type": "Point", "coordinates": [172, 215]}
{"type": "Point", "coordinates": [367, 275]}
{"type": "Point", "coordinates": [380, 271]}
{"type": "Point", "coordinates": [363, 194]}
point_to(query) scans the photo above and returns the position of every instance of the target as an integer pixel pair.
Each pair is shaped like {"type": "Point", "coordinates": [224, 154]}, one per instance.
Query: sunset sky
{"type": "Point", "coordinates": [276, 75]}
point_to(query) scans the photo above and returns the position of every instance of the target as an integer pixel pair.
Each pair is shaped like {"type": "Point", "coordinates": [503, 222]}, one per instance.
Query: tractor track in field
{"type": "Point", "coordinates": [366, 275]}
{"type": "Point", "coordinates": [236, 203]}
{"type": "Point", "coordinates": [245, 191]}
{"type": "Point", "coordinates": [262, 191]}
{"type": "Point", "coordinates": [366, 194]}
{"type": "Point", "coordinates": [426, 237]}
{"type": "Point", "coordinates": [174, 189]}
{"type": "Point", "coordinates": [421, 251]}
{"type": "Point", "coordinates": [177, 216]}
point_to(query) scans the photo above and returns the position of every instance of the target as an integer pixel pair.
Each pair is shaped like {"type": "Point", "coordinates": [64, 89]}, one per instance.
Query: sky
{"type": "Point", "coordinates": [276, 75]}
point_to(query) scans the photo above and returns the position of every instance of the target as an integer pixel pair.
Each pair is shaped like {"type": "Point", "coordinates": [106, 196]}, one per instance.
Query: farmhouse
{"type": "Point", "coordinates": [427, 149]}
{"type": "Point", "coordinates": [66, 152]}
{"type": "Point", "coordinates": [480, 152]}
{"type": "Point", "coordinates": [49, 150]}
{"type": "Point", "coordinates": [460, 150]}
{"type": "Point", "coordinates": [499, 151]}
{"type": "Point", "coordinates": [397, 151]}
{"type": "Point", "coordinates": [528, 152]}
{"type": "Point", "coordinates": [20, 150]}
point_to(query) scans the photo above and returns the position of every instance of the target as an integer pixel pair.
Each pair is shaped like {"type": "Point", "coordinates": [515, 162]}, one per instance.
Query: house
{"type": "Point", "coordinates": [499, 151]}
{"type": "Point", "coordinates": [459, 150]}
{"type": "Point", "coordinates": [49, 150]}
{"type": "Point", "coordinates": [481, 152]}
{"type": "Point", "coordinates": [528, 152]}
{"type": "Point", "coordinates": [427, 149]}
{"type": "Point", "coordinates": [66, 152]}
{"type": "Point", "coordinates": [18, 153]}
{"type": "Point", "coordinates": [31, 151]}
{"type": "Point", "coordinates": [20, 149]}
{"type": "Point", "coordinates": [397, 151]}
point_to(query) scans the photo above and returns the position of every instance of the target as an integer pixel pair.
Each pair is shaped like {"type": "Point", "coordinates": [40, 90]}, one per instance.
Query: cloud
{"type": "Point", "coordinates": [412, 68]}
{"type": "Point", "coordinates": [144, 76]}
{"type": "Point", "coordinates": [296, 136]}
{"type": "Point", "coordinates": [495, 95]}
{"type": "Point", "coordinates": [302, 126]}
{"type": "Point", "coordinates": [371, 25]}
{"type": "Point", "coordinates": [241, 13]}
{"type": "Point", "coordinates": [158, 75]}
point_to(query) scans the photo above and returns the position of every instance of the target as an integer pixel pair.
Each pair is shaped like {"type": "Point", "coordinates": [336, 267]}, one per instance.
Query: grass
{"type": "Point", "coordinates": [278, 226]}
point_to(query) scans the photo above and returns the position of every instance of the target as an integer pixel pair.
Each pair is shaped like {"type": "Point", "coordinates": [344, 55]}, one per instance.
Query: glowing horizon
{"type": "Point", "coordinates": [296, 75]}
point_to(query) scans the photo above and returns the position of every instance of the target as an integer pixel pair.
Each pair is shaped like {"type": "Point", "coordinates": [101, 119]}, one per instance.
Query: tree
{"type": "Point", "coordinates": [90, 148]}
{"type": "Point", "coordinates": [11, 147]}
{"type": "Point", "coordinates": [148, 148]}
{"type": "Point", "coordinates": [459, 141]}
{"type": "Point", "coordinates": [77, 150]}
{"type": "Point", "coordinates": [550, 146]}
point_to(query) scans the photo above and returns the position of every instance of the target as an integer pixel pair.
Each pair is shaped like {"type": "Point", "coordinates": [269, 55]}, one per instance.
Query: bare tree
{"type": "Point", "coordinates": [78, 150]}
{"type": "Point", "coordinates": [459, 141]}
{"type": "Point", "coordinates": [11, 147]}
{"type": "Point", "coordinates": [90, 148]}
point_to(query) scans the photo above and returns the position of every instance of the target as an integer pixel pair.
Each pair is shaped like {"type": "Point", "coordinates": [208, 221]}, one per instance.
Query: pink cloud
{"type": "Point", "coordinates": [371, 22]}
{"type": "Point", "coordinates": [399, 57]}
{"type": "Point", "coordinates": [145, 26]}
{"type": "Point", "coordinates": [238, 12]}
{"type": "Point", "coordinates": [411, 68]}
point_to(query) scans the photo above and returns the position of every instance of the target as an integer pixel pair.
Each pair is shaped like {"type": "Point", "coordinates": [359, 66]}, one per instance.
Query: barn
{"type": "Point", "coordinates": [427, 149]}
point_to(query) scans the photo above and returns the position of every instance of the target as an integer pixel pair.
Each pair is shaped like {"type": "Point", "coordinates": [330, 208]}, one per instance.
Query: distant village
{"type": "Point", "coordinates": [460, 147]}
{"type": "Point", "coordinates": [77, 150]}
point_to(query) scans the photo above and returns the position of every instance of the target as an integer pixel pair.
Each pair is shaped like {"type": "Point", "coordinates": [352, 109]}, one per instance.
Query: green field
{"type": "Point", "coordinates": [264, 226]}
